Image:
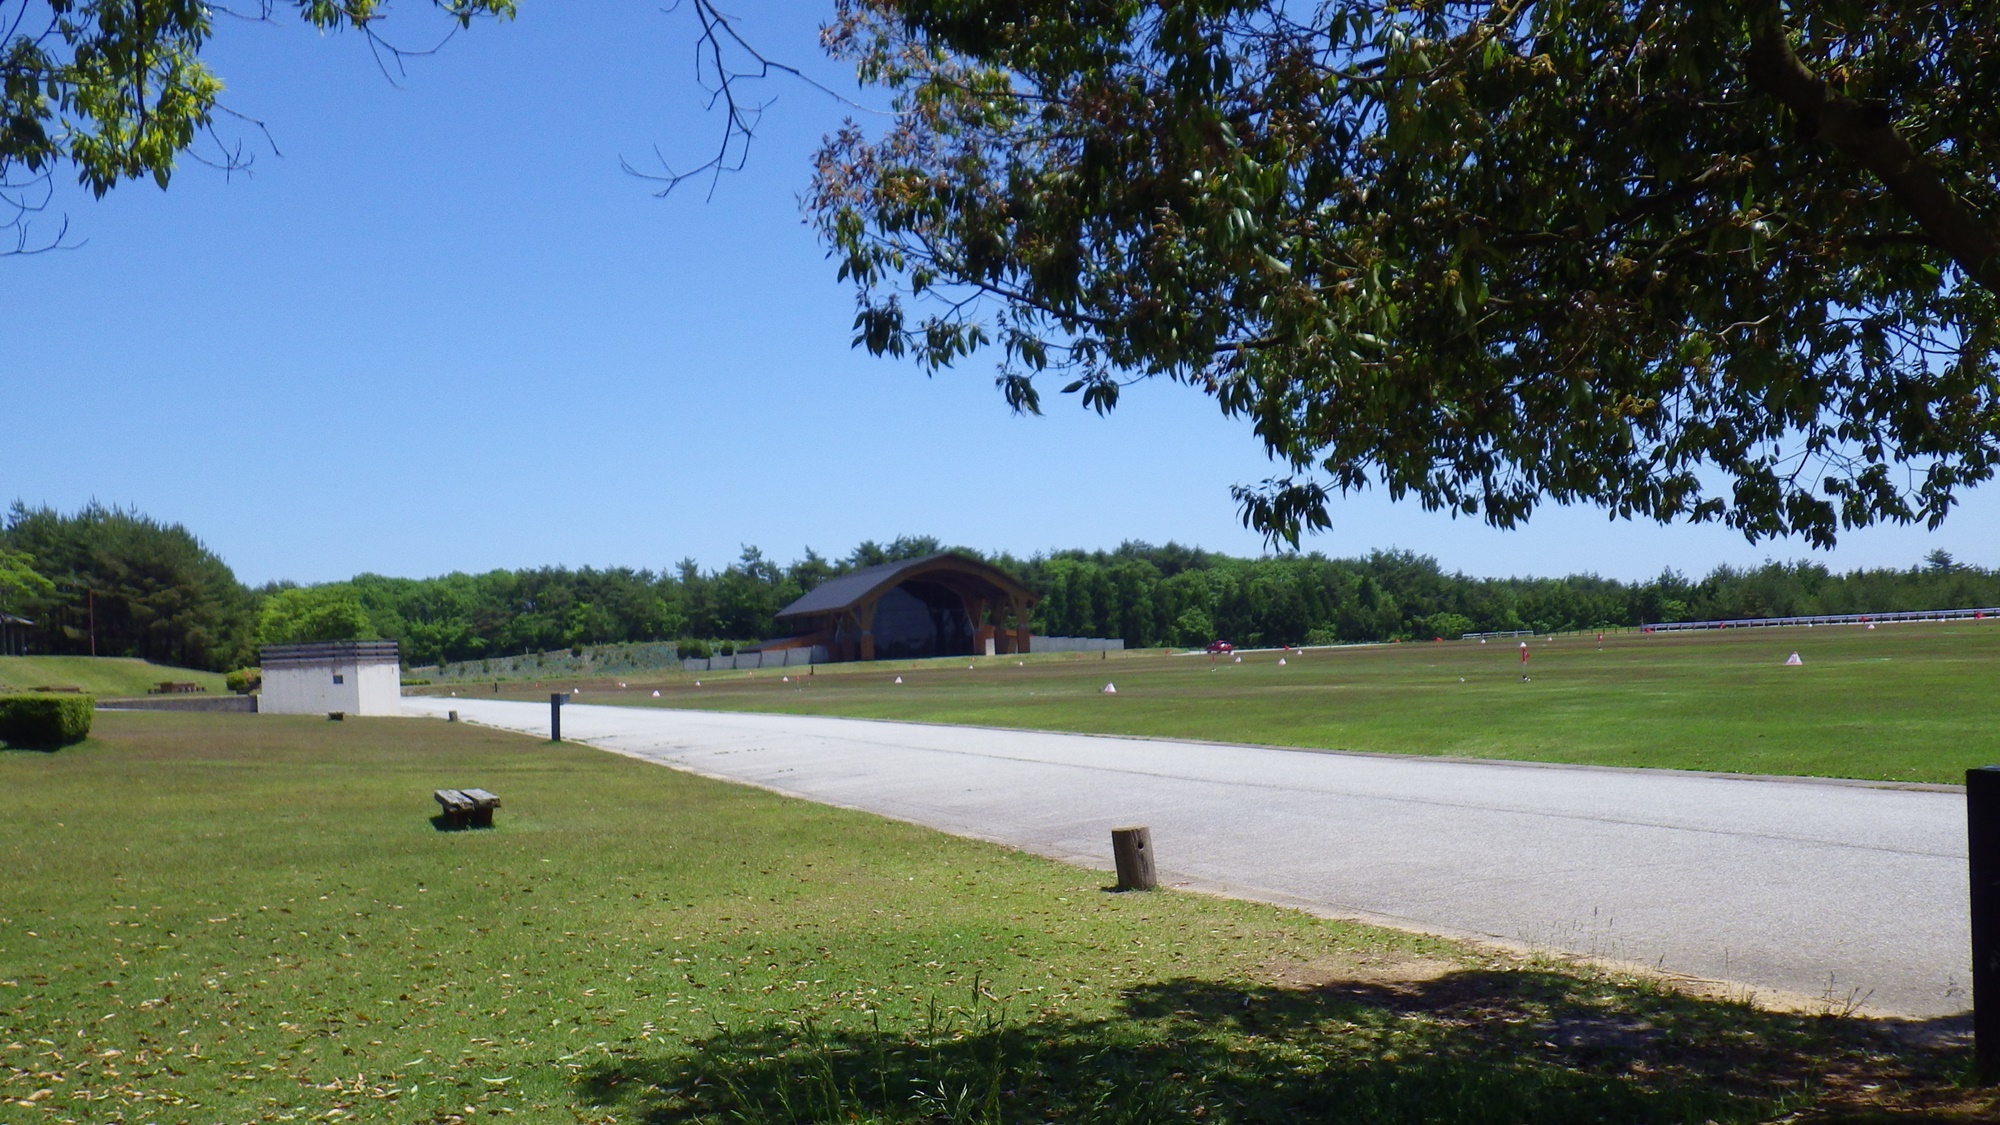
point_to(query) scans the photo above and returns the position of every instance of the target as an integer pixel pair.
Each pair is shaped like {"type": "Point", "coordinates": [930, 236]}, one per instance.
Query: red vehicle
{"type": "Point", "coordinates": [1221, 646]}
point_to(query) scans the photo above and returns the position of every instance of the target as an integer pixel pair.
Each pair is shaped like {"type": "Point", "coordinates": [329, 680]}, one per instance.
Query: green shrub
{"type": "Point", "coordinates": [694, 650]}
{"type": "Point", "coordinates": [415, 681]}
{"type": "Point", "coordinates": [1194, 629]}
{"type": "Point", "coordinates": [45, 721]}
{"type": "Point", "coordinates": [1450, 626]}
{"type": "Point", "coordinates": [243, 681]}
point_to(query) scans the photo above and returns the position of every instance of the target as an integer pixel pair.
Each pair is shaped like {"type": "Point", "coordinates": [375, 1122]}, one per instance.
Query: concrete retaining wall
{"type": "Point", "coordinates": [1076, 644]}
{"type": "Point", "coordinates": [776, 658]}
{"type": "Point", "coordinates": [242, 704]}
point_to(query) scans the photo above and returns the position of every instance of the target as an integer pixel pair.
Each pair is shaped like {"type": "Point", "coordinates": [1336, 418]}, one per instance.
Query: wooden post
{"type": "Point", "coordinates": [1132, 851]}
{"type": "Point", "coordinates": [864, 618]}
{"type": "Point", "coordinates": [556, 702]}
{"type": "Point", "coordinates": [1982, 815]}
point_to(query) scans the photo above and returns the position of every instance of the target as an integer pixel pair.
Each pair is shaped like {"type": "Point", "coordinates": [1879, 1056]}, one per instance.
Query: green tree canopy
{"type": "Point", "coordinates": [21, 588]}
{"type": "Point", "coordinates": [128, 585]}
{"type": "Point", "coordinates": [304, 614]}
{"type": "Point", "coordinates": [1699, 259]}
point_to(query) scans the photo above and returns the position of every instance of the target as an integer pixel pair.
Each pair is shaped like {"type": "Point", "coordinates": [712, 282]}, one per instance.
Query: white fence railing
{"type": "Point", "coordinates": [1827, 619]}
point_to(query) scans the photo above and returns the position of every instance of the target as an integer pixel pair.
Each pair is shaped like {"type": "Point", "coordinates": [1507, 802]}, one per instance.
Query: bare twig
{"type": "Point", "coordinates": [723, 60]}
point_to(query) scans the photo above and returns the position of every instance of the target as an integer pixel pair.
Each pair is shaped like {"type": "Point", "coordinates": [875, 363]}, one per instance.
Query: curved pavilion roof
{"type": "Point", "coordinates": [949, 569]}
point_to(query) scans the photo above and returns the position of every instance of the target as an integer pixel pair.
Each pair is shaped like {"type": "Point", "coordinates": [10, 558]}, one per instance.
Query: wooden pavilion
{"type": "Point", "coordinates": [14, 635]}
{"type": "Point", "coordinates": [940, 605]}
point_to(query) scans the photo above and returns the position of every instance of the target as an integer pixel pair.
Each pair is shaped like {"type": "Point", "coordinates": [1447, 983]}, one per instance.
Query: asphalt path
{"type": "Point", "coordinates": [1792, 889]}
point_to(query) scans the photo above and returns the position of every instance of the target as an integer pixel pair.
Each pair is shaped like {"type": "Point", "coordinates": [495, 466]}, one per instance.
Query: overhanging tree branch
{"type": "Point", "coordinates": [1865, 134]}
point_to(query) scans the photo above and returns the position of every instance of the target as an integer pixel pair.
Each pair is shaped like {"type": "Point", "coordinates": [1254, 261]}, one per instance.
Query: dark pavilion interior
{"type": "Point", "coordinates": [940, 605]}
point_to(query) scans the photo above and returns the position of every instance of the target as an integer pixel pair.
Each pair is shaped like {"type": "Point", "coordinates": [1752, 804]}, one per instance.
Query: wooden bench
{"type": "Point", "coordinates": [467, 808]}
{"type": "Point", "coordinates": [175, 687]}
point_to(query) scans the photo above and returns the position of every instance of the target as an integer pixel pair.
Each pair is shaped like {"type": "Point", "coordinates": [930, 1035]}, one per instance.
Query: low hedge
{"type": "Point", "coordinates": [45, 721]}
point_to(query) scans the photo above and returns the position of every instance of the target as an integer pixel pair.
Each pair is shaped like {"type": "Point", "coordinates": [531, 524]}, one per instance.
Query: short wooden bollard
{"type": "Point", "coordinates": [451, 717]}
{"type": "Point", "coordinates": [1132, 851]}
{"type": "Point", "coordinates": [1982, 817]}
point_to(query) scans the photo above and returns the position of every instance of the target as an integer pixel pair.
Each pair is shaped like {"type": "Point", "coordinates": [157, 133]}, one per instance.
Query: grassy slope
{"type": "Point", "coordinates": [1905, 703]}
{"type": "Point", "coordinates": [103, 676]}
{"type": "Point", "coordinates": [234, 918]}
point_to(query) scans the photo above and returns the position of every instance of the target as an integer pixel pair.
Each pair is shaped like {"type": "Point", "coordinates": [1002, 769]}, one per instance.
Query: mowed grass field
{"type": "Point", "coordinates": [229, 918]}
{"type": "Point", "coordinates": [103, 676]}
{"type": "Point", "coordinates": [1916, 702]}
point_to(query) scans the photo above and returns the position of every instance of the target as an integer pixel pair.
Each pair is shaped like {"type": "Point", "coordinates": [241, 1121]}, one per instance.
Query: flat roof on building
{"type": "Point", "coordinates": [330, 652]}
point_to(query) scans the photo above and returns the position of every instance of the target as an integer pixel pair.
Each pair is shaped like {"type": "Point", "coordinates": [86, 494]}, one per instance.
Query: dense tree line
{"type": "Point", "coordinates": [155, 591]}
{"type": "Point", "coordinates": [1174, 595]}
{"type": "Point", "coordinates": [117, 583]}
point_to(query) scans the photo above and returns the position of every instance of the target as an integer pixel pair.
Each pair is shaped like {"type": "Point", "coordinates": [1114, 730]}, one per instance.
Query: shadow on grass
{"type": "Point", "coordinates": [443, 823]}
{"type": "Point", "coordinates": [1469, 1047]}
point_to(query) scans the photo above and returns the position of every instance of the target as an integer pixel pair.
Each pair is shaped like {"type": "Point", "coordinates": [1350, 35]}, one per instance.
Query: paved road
{"type": "Point", "coordinates": [1791, 887]}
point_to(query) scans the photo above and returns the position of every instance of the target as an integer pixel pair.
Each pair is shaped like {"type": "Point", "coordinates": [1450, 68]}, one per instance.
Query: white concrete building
{"type": "Point", "coordinates": [357, 677]}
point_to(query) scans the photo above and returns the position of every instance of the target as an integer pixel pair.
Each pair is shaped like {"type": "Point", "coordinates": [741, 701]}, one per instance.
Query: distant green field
{"type": "Point", "coordinates": [1916, 702]}
{"type": "Point", "coordinates": [235, 918]}
{"type": "Point", "coordinates": [103, 676]}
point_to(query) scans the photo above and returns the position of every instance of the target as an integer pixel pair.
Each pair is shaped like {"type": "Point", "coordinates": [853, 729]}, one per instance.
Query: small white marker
{"type": "Point", "coordinates": [1110, 689]}
{"type": "Point", "coordinates": [899, 679]}
{"type": "Point", "coordinates": [1793, 660]}
{"type": "Point", "coordinates": [1281, 660]}
{"type": "Point", "coordinates": [656, 693]}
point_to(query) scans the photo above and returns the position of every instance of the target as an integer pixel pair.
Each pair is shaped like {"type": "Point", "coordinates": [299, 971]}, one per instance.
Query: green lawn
{"type": "Point", "coordinates": [223, 918]}
{"type": "Point", "coordinates": [106, 677]}
{"type": "Point", "coordinates": [1903, 703]}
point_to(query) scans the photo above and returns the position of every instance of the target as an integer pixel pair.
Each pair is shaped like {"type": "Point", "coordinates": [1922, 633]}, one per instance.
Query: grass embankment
{"type": "Point", "coordinates": [1898, 703]}
{"type": "Point", "coordinates": [219, 918]}
{"type": "Point", "coordinates": [106, 677]}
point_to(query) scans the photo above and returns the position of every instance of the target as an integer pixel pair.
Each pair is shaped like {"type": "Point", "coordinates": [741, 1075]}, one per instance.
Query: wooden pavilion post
{"type": "Point", "coordinates": [864, 616]}
{"type": "Point", "coordinates": [1021, 633]}
{"type": "Point", "coordinates": [976, 609]}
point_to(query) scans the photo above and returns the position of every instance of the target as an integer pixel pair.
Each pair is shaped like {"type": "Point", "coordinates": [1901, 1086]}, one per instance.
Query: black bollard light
{"type": "Point", "coordinates": [1982, 822]}
{"type": "Point", "coordinates": [556, 701]}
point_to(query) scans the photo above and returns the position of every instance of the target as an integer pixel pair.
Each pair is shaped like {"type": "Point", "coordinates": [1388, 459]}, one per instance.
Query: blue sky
{"type": "Point", "coordinates": [444, 331]}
